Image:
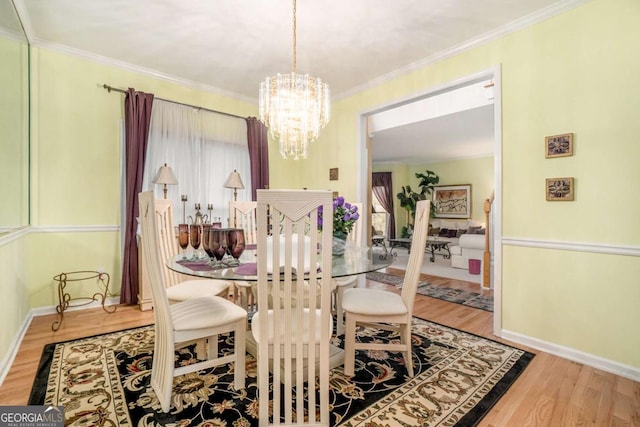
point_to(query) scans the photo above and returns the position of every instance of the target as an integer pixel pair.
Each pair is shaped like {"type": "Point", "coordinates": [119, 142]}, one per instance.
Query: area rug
{"type": "Point", "coordinates": [104, 380]}
{"type": "Point", "coordinates": [458, 296]}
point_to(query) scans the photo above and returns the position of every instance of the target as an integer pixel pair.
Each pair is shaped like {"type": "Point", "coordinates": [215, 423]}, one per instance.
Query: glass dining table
{"type": "Point", "coordinates": [355, 261]}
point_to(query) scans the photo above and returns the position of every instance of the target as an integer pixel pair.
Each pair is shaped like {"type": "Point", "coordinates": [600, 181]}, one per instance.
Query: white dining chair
{"type": "Point", "coordinates": [293, 339]}
{"type": "Point", "coordinates": [242, 214]}
{"type": "Point", "coordinates": [186, 322]}
{"type": "Point", "coordinates": [179, 286]}
{"type": "Point", "coordinates": [384, 309]}
{"type": "Point", "coordinates": [341, 284]}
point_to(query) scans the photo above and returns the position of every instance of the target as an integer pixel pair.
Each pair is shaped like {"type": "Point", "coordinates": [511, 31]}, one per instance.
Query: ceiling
{"type": "Point", "coordinates": [229, 46]}
{"type": "Point", "coordinates": [465, 134]}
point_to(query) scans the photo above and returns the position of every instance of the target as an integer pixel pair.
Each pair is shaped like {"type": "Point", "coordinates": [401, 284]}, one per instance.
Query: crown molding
{"type": "Point", "coordinates": [60, 48]}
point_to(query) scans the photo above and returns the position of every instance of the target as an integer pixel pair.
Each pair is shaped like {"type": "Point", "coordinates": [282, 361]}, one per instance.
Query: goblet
{"type": "Point", "coordinates": [195, 232]}
{"type": "Point", "coordinates": [183, 238]}
{"type": "Point", "coordinates": [235, 241]}
{"type": "Point", "coordinates": [206, 235]}
{"type": "Point", "coordinates": [218, 245]}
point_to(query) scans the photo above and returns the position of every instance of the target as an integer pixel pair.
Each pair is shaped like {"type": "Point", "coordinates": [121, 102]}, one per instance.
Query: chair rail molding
{"type": "Point", "coordinates": [74, 228]}
{"type": "Point", "coordinates": [600, 248]}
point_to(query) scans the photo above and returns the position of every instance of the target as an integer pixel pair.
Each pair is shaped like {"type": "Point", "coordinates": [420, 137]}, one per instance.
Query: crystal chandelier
{"type": "Point", "coordinates": [294, 107]}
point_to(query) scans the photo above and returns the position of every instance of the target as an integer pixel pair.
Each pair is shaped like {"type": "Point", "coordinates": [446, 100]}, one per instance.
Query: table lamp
{"type": "Point", "coordinates": [234, 181]}
{"type": "Point", "coordinates": [166, 177]}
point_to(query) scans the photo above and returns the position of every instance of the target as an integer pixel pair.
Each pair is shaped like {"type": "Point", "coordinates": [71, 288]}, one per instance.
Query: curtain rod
{"type": "Point", "coordinates": [115, 89]}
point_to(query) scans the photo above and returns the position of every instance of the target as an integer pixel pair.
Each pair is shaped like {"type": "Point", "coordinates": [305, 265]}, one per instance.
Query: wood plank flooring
{"type": "Point", "coordinates": [551, 392]}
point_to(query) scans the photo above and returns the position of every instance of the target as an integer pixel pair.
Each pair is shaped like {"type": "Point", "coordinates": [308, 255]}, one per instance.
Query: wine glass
{"type": "Point", "coordinates": [183, 238]}
{"type": "Point", "coordinates": [218, 245]}
{"type": "Point", "coordinates": [195, 231]}
{"type": "Point", "coordinates": [235, 240]}
{"type": "Point", "coordinates": [206, 235]}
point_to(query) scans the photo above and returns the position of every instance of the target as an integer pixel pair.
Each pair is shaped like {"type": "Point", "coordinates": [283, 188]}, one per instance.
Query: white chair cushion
{"type": "Point", "coordinates": [205, 312]}
{"type": "Point", "coordinates": [455, 250]}
{"type": "Point", "coordinates": [344, 281]}
{"type": "Point", "coordinates": [188, 289]}
{"type": "Point", "coordinates": [472, 241]}
{"type": "Point", "coordinates": [367, 301]}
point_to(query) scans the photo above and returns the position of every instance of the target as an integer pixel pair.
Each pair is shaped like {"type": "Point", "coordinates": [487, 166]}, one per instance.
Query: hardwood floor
{"type": "Point", "coordinates": [551, 392]}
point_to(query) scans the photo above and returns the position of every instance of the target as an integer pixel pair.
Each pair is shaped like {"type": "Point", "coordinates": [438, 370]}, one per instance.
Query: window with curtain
{"type": "Point", "coordinates": [202, 148]}
{"type": "Point", "coordinates": [381, 186]}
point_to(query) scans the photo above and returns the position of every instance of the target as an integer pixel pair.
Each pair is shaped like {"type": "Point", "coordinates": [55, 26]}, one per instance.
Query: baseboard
{"type": "Point", "coordinates": [626, 371]}
{"type": "Point", "coordinates": [7, 361]}
{"type": "Point", "coordinates": [41, 311]}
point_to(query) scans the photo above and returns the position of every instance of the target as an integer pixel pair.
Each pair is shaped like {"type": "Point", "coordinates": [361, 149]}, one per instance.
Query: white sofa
{"type": "Point", "coordinates": [470, 246]}
{"type": "Point", "coordinates": [465, 244]}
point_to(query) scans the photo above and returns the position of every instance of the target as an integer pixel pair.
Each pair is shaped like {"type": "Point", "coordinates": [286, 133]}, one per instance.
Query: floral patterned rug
{"type": "Point", "coordinates": [458, 296]}
{"type": "Point", "coordinates": [104, 380]}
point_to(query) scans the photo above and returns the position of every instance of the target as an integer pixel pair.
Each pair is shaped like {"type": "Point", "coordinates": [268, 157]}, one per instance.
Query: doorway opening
{"type": "Point", "coordinates": [495, 220]}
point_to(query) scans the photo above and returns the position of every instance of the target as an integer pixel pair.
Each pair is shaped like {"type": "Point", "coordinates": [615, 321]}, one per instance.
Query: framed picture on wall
{"type": "Point", "coordinates": [558, 145]}
{"type": "Point", "coordinates": [560, 189]}
{"type": "Point", "coordinates": [452, 201]}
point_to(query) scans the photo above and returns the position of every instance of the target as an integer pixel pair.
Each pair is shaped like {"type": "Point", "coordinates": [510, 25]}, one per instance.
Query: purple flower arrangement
{"type": "Point", "coordinates": [345, 216]}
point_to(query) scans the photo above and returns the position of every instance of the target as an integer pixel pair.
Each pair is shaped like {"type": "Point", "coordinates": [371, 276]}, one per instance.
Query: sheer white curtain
{"type": "Point", "coordinates": [202, 148]}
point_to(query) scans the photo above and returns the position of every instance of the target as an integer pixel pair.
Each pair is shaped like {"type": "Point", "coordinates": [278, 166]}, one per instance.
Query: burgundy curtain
{"type": "Point", "coordinates": [258, 155]}
{"type": "Point", "coordinates": [383, 190]}
{"type": "Point", "coordinates": [137, 116]}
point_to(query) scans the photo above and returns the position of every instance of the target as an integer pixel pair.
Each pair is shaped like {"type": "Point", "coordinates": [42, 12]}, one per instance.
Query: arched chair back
{"type": "Point", "coordinates": [343, 283]}
{"type": "Point", "coordinates": [180, 287]}
{"type": "Point", "coordinates": [242, 214]}
{"type": "Point", "coordinates": [384, 309]}
{"type": "Point", "coordinates": [187, 322]}
{"type": "Point", "coordinates": [293, 340]}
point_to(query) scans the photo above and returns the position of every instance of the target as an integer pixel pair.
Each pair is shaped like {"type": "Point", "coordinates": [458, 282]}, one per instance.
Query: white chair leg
{"type": "Point", "coordinates": [339, 310]}
{"type": "Point", "coordinates": [239, 352]}
{"type": "Point", "coordinates": [349, 346]}
{"type": "Point", "coordinates": [405, 334]}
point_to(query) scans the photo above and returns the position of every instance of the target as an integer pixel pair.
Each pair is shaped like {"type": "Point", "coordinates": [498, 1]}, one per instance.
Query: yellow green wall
{"type": "Point", "coordinates": [14, 133]}
{"type": "Point", "coordinates": [76, 150]}
{"type": "Point", "coordinates": [14, 304]}
{"type": "Point", "coordinates": [576, 72]}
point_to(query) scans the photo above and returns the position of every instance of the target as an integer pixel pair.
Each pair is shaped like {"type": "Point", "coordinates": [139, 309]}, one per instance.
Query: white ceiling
{"type": "Point", "coordinates": [229, 46]}
{"type": "Point", "coordinates": [455, 124]}
{"type": "Point", "coordinates": [465, 134]}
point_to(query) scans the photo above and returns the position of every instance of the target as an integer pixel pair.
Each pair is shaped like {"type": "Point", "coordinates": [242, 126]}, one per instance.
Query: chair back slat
{"type": "Point", "coordinates": [167, 241]}
{"type": "Point", "coordinates": [418, 247]}
{"type": "Point", "coordinates": [242, 214]}
{"type": "Point", "coordinates": [298, 303]}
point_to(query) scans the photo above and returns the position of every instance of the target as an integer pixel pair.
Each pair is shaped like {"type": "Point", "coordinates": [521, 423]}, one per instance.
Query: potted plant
{"type": "Point", "coordinates": [409, 198]}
